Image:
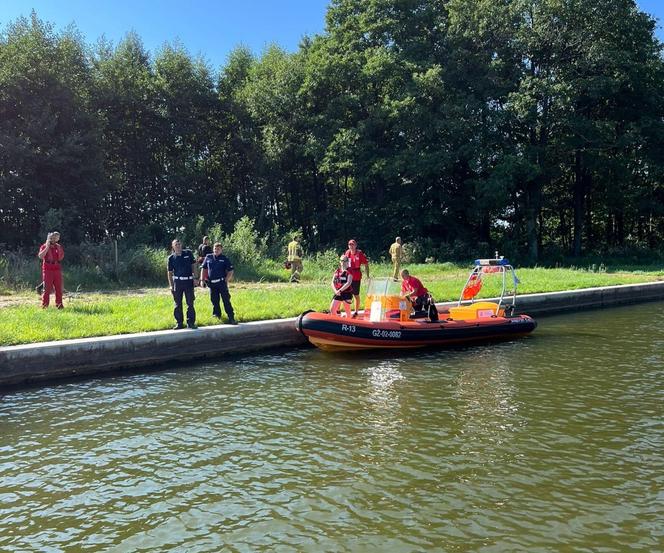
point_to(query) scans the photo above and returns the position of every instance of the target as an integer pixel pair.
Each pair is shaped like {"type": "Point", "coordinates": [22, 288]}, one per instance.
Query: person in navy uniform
{"type": "Point", "coordinates": [181, 280]}
{"type": "Point", "coordinates": [217, 271]}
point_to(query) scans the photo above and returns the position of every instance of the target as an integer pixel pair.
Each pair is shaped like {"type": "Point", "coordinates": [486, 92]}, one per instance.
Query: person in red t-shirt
{"type": "Point", "coordinates": [356, 259]}
{"type": "Point", "coordinates": [413, 288]}
{"type": "Point", "coordinates": [51, 254]}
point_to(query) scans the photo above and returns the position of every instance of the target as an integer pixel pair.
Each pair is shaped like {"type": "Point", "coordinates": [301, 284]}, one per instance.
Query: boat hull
{"type": "Point", "coordinates": [334, 333]}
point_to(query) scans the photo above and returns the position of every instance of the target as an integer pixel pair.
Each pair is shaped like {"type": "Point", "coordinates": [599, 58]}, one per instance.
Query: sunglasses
{"type": "Point", "coordinates": [352, 243]}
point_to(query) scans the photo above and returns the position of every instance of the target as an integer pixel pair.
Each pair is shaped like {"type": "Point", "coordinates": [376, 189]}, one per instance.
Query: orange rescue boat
{"type": "Point", "coordinates": [388, 321]}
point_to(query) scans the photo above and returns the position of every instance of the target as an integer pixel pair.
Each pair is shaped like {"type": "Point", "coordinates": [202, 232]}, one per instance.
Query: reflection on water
{"type": "Point", "coordinates": [383, 397]}
{"type": "Point", "coordinates": [551, 443]}
{"type": "Point", "coordinates": [486, 391]}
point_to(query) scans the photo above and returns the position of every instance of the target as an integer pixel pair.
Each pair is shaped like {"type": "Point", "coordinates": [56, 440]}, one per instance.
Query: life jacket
{"type": "Point", "coordinates": [340, 278]}
{"type": "Point", "coordinates": [473, 287]}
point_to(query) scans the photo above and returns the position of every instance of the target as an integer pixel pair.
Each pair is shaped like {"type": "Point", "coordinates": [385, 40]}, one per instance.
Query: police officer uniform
{"type": "Point", "coordinates": [217, 268]}
{"type": "Point", "coordinates": [183, 284]}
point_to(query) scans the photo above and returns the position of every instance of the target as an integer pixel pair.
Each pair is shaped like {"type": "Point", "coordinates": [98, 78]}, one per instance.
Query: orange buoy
{"type": "Point", "coordinates": [473, 287]}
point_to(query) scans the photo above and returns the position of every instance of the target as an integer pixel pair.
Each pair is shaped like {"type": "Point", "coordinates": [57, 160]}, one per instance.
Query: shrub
{"type": "Point", "coordinates": [245, 245]}
{"type": "Point", "coordinates": [145, 264]}
{"type": "Point", "coordinates": [327, 260]}
{"type": "Point", "coordinates": [216, 234]}
{"type": "Point", "coordinates": [18, 271]}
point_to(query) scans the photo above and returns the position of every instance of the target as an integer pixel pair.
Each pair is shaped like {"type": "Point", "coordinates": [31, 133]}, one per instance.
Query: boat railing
{"type": "Point", "coordinates": [488, 266]}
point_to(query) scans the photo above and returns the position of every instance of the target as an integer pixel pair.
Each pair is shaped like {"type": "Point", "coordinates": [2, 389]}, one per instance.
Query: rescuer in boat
{"type": "Point", "coordinates": [413, 289]}
{"type": "Point", "coordinates": [356, 259]}
{"type": "Point", "coordinates": [342, 282]}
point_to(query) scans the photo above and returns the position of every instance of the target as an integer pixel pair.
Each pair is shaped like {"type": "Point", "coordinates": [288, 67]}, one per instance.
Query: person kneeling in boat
{"type": "Point", "coordinates": [341, 286]}
{"type": "Point", "coordinates": [413, 289]}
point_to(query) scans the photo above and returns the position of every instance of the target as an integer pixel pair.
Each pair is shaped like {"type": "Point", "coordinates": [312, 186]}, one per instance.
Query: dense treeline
{"type": "Point", "coordinates": [530, 126]}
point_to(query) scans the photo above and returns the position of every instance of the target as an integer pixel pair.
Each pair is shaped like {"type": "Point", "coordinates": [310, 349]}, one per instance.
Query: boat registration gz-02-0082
{"type": "Point", "coordinates": [388, 321]}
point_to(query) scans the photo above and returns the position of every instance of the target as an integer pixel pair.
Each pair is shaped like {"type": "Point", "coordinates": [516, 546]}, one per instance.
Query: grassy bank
{"type": "Point", "coordinates": [104, 314]}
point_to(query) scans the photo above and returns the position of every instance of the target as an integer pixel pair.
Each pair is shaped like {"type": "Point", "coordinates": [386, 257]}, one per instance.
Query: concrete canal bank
{"type": "Point", "coordinates": [88, 356]}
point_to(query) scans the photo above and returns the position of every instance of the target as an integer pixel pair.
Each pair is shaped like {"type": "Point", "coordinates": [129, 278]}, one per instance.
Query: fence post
{"type": "Point", "coordinates": [115, 250]}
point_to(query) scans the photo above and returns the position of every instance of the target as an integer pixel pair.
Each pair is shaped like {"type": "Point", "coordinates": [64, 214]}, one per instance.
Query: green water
{"type": "Point", "coordinates": [550, 443]}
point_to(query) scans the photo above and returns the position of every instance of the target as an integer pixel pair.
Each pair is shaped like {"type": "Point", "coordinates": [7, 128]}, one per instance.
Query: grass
{"type": "Point", "coordinates": [104, 314]}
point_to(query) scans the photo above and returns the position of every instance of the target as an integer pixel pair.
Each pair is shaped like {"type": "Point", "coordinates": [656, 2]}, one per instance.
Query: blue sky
{"type": "Point", "coordinates": [208, 27]}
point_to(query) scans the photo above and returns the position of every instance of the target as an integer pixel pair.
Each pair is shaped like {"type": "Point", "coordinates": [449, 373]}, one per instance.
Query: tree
{"type": "Point", "coordinates": [126, 103]}
{"type": "Point", "coordinates": [187, 106]}
{"type": "Point", "coordinates": [49, 150]}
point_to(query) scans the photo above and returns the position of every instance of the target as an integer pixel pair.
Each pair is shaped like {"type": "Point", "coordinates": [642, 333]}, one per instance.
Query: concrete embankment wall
{"type": "Point", "coordinates": [88, 356]}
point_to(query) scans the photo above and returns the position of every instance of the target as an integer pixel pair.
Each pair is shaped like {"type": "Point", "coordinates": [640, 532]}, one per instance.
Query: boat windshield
{"type": "Point", "coordinates": [383, 301]}
{"type": "Point", "coordinates": [383, 287]}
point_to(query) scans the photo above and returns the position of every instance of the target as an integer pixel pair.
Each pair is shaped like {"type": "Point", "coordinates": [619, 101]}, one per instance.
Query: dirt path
{"type": "Point", "coordinates": [24, 298]}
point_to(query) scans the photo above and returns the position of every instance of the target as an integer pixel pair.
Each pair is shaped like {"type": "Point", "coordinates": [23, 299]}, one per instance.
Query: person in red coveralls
{"type": "Point", "coordinates": [413, 289]}
{"type": "Point", "coordinates": [356, 259]}
{"type": "Point", "coordinates": [51, 254]}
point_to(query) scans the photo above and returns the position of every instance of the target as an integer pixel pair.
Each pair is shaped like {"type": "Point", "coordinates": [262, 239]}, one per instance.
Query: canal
{"type": "Point", "coordinates": [554, 442]}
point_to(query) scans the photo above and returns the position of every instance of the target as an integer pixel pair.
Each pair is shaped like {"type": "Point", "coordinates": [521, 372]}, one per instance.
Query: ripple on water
{"type": "Point", "coordinates": [549, 443]}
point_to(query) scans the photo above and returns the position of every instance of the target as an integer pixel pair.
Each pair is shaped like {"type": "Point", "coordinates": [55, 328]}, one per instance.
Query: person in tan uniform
{"type": "Point", "coordinates": [396, 253]}
{"type": "Point", "coordinates": [295, 258]}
